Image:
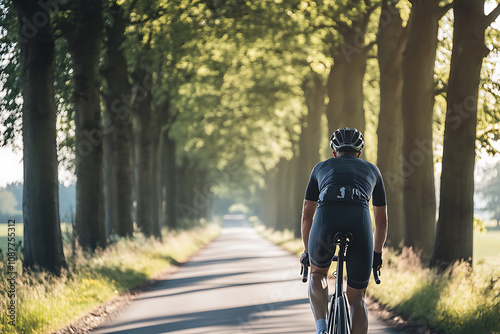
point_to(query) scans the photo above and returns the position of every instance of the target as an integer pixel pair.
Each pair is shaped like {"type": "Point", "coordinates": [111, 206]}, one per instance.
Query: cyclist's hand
{"type": "Point", "coordinates": [304, 259]}
{"type": "Point", "coordinates": [377, 260]}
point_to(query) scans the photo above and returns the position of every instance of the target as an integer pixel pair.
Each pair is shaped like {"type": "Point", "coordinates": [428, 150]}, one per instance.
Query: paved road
{"type": "Point", "coordinates": [240, 283]}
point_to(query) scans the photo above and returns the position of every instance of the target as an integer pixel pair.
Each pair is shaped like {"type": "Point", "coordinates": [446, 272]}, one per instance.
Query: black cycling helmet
{"type": "Point", "coordinates": [351, 139]}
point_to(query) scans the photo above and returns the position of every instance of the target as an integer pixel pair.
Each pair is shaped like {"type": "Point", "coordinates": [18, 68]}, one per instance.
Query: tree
{"type": "Point", "coordinates": [169, 181]}
{"type": "Point", "coordinates": [310, 139]}
{"type": "Point", "coordinates": [391, 43]}
{"type": "Point", "coordinates": [118, 122]}
{"type": "Point", "coordinates": [147, 138]}
{"type": "Point", "coordinates": [10, 72]}
{"type": "Point", "coordinates": [42, 232]}
{"type": "Point", "coordinates": [345, 83]}
{"type": "Point", "coordinates": [456, 209]}
{"type": "Point", "coordinates": [419, 199]}
{"type": "Point", "coordinates": [84, 35]}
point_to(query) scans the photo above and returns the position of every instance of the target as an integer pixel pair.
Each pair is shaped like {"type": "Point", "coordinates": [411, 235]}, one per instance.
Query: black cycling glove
{"type": "Point", "coordinates": [377, 260]}
{"type": "Point", "coordinates": [304, 259]}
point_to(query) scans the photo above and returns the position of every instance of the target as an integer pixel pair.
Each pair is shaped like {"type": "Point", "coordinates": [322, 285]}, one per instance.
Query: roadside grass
{"type": "Point", "coordinates": [458, 300]}
{"type": "Point", "coordinates": [45, 303]}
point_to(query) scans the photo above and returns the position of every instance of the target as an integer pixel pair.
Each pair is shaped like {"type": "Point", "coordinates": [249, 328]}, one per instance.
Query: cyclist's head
{"type": "Point", "coordinates": [347, 140]}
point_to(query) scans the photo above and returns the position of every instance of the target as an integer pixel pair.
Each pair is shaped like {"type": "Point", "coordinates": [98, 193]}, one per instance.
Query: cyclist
{"type": "Point", "coordinates": [336, 200]}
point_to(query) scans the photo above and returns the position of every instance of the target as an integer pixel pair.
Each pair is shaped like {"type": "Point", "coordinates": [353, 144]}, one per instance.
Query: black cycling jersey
{"type": "Point", "coordinates": [346, 180]}
{"type": "Point", "coordinates": [350, 182]}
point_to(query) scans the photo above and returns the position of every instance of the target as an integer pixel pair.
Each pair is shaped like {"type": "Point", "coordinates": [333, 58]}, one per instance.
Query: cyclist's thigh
{"type": "Point", "coordinates": [321, 245]}
{"type": "Point", "coordinates": [360, 252]}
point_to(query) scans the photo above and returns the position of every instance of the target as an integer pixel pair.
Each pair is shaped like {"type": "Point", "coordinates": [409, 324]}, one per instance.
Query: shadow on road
{"type": "Point", "coordinates": [244, 319]}
{"type": "Point", "coordinates": [215, 287]}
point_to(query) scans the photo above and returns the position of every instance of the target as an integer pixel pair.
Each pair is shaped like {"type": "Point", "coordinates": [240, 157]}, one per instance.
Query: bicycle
{"type": "Point", "coordinates": [338, 312]}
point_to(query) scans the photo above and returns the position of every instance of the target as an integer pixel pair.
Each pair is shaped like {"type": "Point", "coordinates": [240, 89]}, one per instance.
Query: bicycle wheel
{"type": "Point", "coordinates": [341, 323]}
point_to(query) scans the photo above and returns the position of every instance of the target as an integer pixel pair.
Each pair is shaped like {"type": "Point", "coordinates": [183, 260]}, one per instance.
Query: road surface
{"type": "Point", "coordinates": [239, 284]}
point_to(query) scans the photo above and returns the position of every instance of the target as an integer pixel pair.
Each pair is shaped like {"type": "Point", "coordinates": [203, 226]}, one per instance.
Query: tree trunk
{"type": "Point", "coordinates": [285, 200]}
{"type": "Point", "coordinates": [85, 47]}
{"type": "Point", "coordinates": [155, 178]}
{"type": "Point", "coordinates": [310, 139]}
{"type": "Point", "coordinates": [418, 103]}
{"type": "Point", "coordinates": [345, 83]}
{"type": "Point", "coordinates": [193, 197]}
{"type": "Point", "coordinates": [268, 200]}
{"type": "Point", "coordinates": [42, 232]}
{"type": "Point", "coordinates": [118, 140]}
{"type": "Point", "coordinates": [455, 225]}
{"type": "Point", "coordinates": [391, 44]}
{"type": "Point", "coordinates": [109, 186]}
{"type": "Point", "coordinates": [145, 151]}
{"type": "Point", "coordinates": [169, 174]}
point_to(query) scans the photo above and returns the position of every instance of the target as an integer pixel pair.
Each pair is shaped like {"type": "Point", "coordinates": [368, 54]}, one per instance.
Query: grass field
{"type": "Point", "coordinates": [487, 247]}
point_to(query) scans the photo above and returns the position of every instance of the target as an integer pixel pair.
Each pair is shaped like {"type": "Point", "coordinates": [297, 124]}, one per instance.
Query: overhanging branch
{"type": "Point", "coordinates": [492, 16]}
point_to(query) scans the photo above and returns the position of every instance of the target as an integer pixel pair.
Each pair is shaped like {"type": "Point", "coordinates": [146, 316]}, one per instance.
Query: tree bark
{"type": "Point", "coordinates": [169, 174]}
{"type": "Point", "coordinates": [391, 44]}
{"type": "Point", "coordinates": [418, 103]}
{"type": "Point", "coordinates": [118, 140]}
{"type": "Point", "coordinates": [145, 152]}
{"type": "Point", "coordinates": [155, 177]}
{"type": "Point", "coordinates": [194, 193]}
{"type": "Point", "coordinates": [285, 200]}
{"type": "Point", "coordinates": [345, 83]}
{"type": "Point", "coordinates": [268, 200]}
{"type": "Point", "coordinates": [455, 225]}
{"type": "Point", "coordinates": [42, 232]}
{"type": "Point", "coordinates": [310, 139]}
{"type": "Point", "coordinates": [85, 47]}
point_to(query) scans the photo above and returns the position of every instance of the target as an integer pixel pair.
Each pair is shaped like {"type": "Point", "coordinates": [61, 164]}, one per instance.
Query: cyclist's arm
{"type": "Point", "coordinates": [380, 214]}
{"type": "Point", "coordinates": [308, 210]}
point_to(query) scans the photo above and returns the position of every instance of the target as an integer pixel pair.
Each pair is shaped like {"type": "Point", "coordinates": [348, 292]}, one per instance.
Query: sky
{"type": "Point", "coordinates": [11, 166]}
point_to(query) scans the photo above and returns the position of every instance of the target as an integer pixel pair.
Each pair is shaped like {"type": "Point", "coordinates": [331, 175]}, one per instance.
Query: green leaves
{"type": "Point", "coordinates": [10, 77]}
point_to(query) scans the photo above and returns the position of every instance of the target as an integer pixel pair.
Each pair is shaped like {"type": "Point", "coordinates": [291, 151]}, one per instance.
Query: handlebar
{"type": "Point", "coordinates": [376, 273]}
{"type": "Point", "coordinates": [303, 271]}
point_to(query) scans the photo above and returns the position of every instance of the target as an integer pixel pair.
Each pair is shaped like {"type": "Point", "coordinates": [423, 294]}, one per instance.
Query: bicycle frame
{"type": "Point", "coordinates": [338, 316]}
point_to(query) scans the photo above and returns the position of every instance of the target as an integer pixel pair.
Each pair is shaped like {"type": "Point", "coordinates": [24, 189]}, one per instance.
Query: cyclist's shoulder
{"type": "Point", "coordinates": [370, 165]}
{"type": "Point", "coordinates": [323, 163]}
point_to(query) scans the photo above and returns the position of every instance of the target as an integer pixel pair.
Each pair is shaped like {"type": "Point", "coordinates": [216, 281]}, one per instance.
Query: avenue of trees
{"type": "Point", "coordinates": [169, 110]}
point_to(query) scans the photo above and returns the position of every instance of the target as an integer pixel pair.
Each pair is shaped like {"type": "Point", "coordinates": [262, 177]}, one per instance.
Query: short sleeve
{"type": "Point", "coordinates": [312, 190]}
{"type": "Point", "coordinates": [379, 197]}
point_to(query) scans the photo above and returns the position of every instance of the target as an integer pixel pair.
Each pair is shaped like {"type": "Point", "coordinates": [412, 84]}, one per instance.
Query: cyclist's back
{"type": "Point", "coordinates": [345, 180]}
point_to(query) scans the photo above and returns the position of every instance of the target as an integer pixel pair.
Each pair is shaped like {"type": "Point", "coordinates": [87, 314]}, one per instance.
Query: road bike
{"type": "Point", "coordinates": [338, 312]}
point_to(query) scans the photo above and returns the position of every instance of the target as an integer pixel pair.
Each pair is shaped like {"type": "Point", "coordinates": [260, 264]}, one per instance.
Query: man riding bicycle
{"type": "Point", "coordinates": [336, 200]}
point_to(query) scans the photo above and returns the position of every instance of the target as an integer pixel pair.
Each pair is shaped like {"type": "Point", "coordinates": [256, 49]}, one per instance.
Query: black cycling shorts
{"type": "Point", "coordinates": [330, 219]}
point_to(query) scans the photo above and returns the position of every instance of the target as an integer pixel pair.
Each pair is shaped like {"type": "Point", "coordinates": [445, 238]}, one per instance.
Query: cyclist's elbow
{"type": "Point", "coordinates": [380, 214]}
